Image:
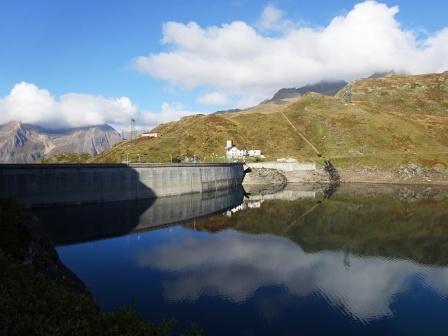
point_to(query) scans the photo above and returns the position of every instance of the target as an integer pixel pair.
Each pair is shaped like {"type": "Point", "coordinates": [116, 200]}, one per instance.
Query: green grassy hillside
{"type": "Point", "coordinates": [381, 121]}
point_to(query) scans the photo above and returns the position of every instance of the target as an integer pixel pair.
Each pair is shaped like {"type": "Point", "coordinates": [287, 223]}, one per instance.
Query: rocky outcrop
{"type": "Point", "coordinates": [263, 176]}
{"type": "Point", "coordinates": [333, 174]}
{"type": "Point", "coordinates": [324, 88]}
{"type": "Point", "coordinates": [91, 140]}
{"type": "Point", "coordinates": [24, 143]}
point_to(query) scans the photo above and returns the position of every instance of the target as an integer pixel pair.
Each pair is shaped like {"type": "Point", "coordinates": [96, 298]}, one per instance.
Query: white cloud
{"type": "Point", "coordinates": [169, 112]}
{"type": "Point", "coordinates": [272, 19]}
{"type": "Point", "coordinates": [30, 104]}
{"type": "Point", "coordinates": [213, 98]}
{"type": "Point", "coordinates": [237, 59]}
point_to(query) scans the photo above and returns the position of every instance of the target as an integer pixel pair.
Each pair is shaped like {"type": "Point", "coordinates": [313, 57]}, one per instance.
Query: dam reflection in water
{"type": "Point", "coordinates": [369, 260]}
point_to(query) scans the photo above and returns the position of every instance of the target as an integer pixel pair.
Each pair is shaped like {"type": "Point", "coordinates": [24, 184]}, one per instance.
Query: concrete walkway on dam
{"type": "Point", "coordinates": [61, 184]}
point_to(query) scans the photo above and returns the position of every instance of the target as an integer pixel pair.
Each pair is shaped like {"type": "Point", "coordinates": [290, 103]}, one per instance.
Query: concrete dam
{"type": "Point", "coordinates": [62, 184]}
{"type": "Point", "coordinates": [76, 224]}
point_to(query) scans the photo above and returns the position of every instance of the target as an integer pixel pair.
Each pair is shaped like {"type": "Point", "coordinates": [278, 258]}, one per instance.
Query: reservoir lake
{"type": "Point", "coordinates": [303, 260]}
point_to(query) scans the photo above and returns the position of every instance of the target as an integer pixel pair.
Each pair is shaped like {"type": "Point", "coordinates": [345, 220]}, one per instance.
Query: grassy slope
{"type": "Point", "coordinates": [68, 158]}
{"type": "Point", "coordinates": [387, 122]}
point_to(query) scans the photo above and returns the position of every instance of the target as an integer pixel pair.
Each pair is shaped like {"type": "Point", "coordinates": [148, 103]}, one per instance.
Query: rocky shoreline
{"type": "Point", "coordinates": [264, 176]}
{"type": "Point", "coordinates": [406, 174]}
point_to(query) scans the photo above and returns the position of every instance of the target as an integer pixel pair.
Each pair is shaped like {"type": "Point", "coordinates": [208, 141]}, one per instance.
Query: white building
{"type": "Point", "coordinates": [232, 152]}
{"type": "Point", "coordinates": [254, 152]}
{"type": "Point", "coordinates": [235, 153]}
{"type": "Point", "coordinates": [150, 135]}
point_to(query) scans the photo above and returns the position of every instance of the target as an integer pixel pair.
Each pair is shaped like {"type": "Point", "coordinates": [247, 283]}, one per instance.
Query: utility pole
{"type": "Point", "coordinates": [132, 129]}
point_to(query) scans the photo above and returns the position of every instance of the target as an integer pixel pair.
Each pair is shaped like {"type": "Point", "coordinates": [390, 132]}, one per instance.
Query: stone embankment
{"type": "Point", "coordinates": [406, 174]}
{"type": "Point", "coordinates": [291, 172]}
{"type": "Point", "coordinates": [264, 176]}
{"type": "Point", "coordinates": [269, 173]}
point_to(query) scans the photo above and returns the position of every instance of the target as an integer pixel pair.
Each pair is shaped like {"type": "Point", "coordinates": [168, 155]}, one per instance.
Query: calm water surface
{"type": "Point", "coordinates": [368, 260]}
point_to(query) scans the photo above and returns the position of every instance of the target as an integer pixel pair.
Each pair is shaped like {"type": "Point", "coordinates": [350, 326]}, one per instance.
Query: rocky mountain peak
{"type": "Point", "coordinates": [326, 88]}
{"type": "Point", "coordinates": [22, 143]}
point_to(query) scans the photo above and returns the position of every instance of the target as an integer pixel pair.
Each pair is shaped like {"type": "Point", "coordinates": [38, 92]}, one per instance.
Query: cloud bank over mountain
{"type": "Point", "coordinates": [251, 62]}
{"type": "Point", "coordinates": [28, 103]}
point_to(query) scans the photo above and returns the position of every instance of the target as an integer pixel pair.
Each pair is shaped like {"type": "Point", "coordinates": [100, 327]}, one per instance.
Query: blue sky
{"type": "Point", "coordinates": [90, 47]}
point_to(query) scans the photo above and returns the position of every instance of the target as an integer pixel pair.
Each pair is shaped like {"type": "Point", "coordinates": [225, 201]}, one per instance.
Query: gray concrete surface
{"type": "Point", "coordinates": [48, 185]}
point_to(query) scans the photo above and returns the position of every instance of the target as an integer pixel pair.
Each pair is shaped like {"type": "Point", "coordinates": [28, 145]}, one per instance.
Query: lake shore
{"type": "Point", "coordinates": [405, 175]}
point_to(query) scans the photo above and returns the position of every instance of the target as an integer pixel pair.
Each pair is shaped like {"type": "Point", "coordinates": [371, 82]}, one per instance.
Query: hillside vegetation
{"type": "Point", "coordinates": [68, 158]}
{"type": "Point", "coordinates": [385, 122]}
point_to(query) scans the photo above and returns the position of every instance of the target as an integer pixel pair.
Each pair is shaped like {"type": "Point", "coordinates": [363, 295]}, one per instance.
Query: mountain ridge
{"type": "Point", "coordinates": [326, 88]}
{"type": "Point", "coordinates": [25, 143]}
{"type": "Point", "coordinates": [386, 121]}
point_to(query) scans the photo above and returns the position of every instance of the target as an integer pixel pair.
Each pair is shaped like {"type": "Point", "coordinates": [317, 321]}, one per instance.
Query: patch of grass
{"type": "Point", "coordinates": [68, 158]}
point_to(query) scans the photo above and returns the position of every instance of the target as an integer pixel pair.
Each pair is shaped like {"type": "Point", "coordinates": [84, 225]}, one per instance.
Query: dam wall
{"type": "Point", "coordinates": [54, 184]}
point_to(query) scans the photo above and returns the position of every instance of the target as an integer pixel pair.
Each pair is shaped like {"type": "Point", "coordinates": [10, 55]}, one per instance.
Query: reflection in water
{"type": "Point", "coordinates": [98, 221]}
{"type": "Point", "coordinates": [234, 265]}
{"type": "Point", "coordinates": [371, 259]}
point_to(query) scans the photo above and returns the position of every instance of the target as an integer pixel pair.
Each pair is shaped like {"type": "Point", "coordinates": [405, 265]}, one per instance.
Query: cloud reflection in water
{"type": "Point", "coordinates": [234, 265]}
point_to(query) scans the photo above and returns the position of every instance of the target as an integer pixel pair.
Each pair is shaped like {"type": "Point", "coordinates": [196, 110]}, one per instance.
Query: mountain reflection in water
{"type": "Point", "coordinates": [369, 260]}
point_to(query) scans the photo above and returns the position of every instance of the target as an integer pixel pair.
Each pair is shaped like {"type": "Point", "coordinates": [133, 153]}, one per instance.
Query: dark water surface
{"type": "Point", "coordinates": [371, 260]}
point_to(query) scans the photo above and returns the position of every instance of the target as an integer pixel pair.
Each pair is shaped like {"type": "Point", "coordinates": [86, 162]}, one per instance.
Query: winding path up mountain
{"type": "Point", "coordinates": [301, 134]}
{"type": "Point", "coordinates": [332, 172]}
